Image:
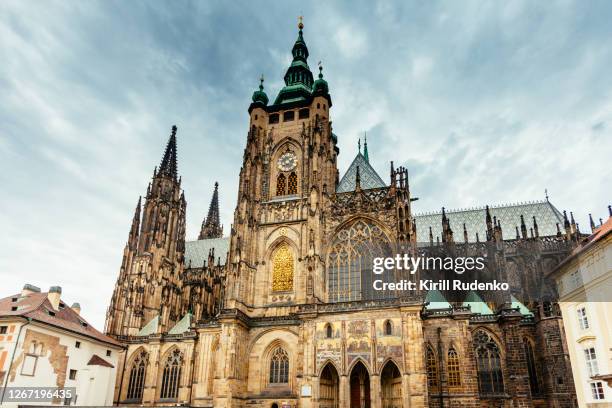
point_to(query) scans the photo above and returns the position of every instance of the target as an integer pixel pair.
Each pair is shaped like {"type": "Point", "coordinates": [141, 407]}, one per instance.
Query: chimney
{"type": "Point", "coordinates": [76, 307]}
{"type": "Point", "coordinates": [28, 289]}
{"type": "Point", "coordinates": [55, 292]}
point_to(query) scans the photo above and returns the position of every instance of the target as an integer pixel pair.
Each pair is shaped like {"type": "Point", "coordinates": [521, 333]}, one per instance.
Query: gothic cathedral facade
{"type": "Point", "coordinates": [282, 313]}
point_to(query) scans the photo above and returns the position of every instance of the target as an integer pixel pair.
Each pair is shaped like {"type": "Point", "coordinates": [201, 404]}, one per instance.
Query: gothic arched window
{"type": "Point", "coordinates": [454, 373]}
{"type": "Point", "coordinates": [349, 263]}
{"type": "Point", "coordinates": [431, 367]}
{"type": "Point", "coordinates": [488, 364]}
{"type": "Point", "coordinates": [292, 184]}
{"type": "Point", "coordinates": [137, 376]}
{"type": "Point", "coordinates": [328, 331]}
{"type": "Point", "coordinates": [534, 382]}
{"type": "Point", "coordinates": [171, 376]}
{"type": "Point", "coordinates": [282, 269]}
{"type": "Point", "coordinates": [281, 185]}
{"type": "Point", "coordinates": [388, 328]}
{"type": "Point", "coordinates": [279, 367]}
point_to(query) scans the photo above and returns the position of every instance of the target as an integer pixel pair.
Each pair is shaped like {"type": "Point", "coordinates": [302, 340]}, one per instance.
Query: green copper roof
{"type": "Point", "coordinates": [260, 97]}
{"type": "Point", "coordinates": [522, 308]}
{"type": "Point", "coordinates": [436, 300]}
{"type": "Point", "coordinates": [150, 328]}
{"type": "Point", "coordinates": [476, 304]}
{"type": "Point", "coordinates": [183, 325]}
{"type": "Point", "coordinates": [298, 78]}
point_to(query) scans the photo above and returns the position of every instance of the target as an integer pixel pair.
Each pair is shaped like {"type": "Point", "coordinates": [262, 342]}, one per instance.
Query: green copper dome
{"type": "Point", "coordinates": [260, 97]}
{"type": "Point", "coordinates": [320, 85]}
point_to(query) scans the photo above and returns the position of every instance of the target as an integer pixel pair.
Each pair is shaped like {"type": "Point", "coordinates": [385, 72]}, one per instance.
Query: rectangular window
{"type": "Point", "coordinates": [597, 390]}
{"type": "Point", "coordinates": [582, 319]}
{"type": "Point", "coordinates": [591, 361]}
{"type": "Point", "coordinates": [304, 113]}
{"type": "Point", "coordinates": [72, 374]}
{"type": "Point", "coordinates": [273, 118]}
{"type": "Point", "coordinates": [29, 365]}
{"type": "Point", "coordinates": [288, 116]}
{"type": "Point", "coordinates": [108, 353]}
{"type": "Point", "coordinates": [3, 329]}
{"type": "Point", "coordinates": [77, 344]}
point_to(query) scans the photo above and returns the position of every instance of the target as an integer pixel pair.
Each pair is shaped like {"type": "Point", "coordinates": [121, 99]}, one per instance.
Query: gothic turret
{"type": "Point", "coordinates": [211, 226]}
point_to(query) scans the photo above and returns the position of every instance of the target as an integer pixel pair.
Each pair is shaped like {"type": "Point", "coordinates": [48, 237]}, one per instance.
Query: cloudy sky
{"type": "Point", "coordinates": [484, 102]}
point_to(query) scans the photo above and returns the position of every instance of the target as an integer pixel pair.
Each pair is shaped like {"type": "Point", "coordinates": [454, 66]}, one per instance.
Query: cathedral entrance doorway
{"type": "Point", "coordinates": [329, 387]}
{"type": "Point", "coordinates": [360, 387]}
{"type": "Point", "coordinates": [391, 384]}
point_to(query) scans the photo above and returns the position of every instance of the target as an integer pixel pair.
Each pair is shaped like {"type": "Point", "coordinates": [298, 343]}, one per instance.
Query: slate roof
{"type": "Point", "coordinates": [547, 216]}
{"type": "Point", "coordinates": [196, 252]}
{"type": "Point", "coordinates": [368, 176]}
{"type": "Point", "coordinates": [37, 307]}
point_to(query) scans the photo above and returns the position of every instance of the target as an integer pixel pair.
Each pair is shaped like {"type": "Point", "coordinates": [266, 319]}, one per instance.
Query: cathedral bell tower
{"type": "Point", "coordinates": [148, 288]}
{"type": "Point", "coordinates": [288, 173]}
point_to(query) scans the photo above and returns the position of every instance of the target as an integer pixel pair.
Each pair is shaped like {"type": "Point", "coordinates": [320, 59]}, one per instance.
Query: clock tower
{"type": "Point", "coordinates": [288, 174]}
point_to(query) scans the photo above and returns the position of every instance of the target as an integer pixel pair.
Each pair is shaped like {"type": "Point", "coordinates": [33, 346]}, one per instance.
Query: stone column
{"type": "Point", "coordinates": [345, 400]}
{"type": "Point", "coordinates": [375, 391]}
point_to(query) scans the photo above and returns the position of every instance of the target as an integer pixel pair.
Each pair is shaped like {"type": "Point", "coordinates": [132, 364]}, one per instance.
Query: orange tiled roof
{"type": "Point", "coordinates": [37, 307]}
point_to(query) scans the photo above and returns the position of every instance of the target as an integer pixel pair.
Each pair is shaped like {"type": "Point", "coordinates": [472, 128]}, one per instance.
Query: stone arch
{"type": "Point", "coordinates": [288, 144]}
{"type": "Point", "coordinates": [170, 373]}
{"type": "Point", "coordinates": [283, 261]}
{"type": "Point", "coordinates": [136, 366]}
{"type": "Point", "coordinates": [357, 361]}
{"type": "Point", "coordinates": [390, 360]}
{"type": "Point", "coordinates": [488, 352]}
{"type": "Point", "coordinates": [391, 384]}
{"type": "Point", "coordinates": [261, 348]}
{"type": "Point", "coordinates": [359, 384]}
{"type": "Point", "coordinates": [329, 386]}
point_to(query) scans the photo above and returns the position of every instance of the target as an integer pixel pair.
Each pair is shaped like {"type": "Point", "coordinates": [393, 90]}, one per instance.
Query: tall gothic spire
{"type": "Point", "coordinates": [365, 147]}
{"type": "Point", "coordinates": [168, 164]}
{"type": "Point", "coordinates": [211, 226]}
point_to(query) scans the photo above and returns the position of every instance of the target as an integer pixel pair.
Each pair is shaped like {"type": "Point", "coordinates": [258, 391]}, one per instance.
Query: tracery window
{"type": "Point", "coordinates": [282, 269]}
{"type": "Point", "coordinates": [454, 373]}
{"type": "Point", "coordinates": [431, 367]}
{"type": "Point", "coordinates": [171, 375]}
{"type": "Point", "coordinates": [279, 367]}
{"type": "Point", "coordinates": [534, 382]}
{"type": "Point", "coordinates": [292, 184]}
{"type": "Point", "coordinates": [281, 185]}
{"type": "Point", "coordinates": [137, 376]}
{"type": "Point", "coordinates": [488, 364]}
{"type": "Point", "coordinates": [349, 263]}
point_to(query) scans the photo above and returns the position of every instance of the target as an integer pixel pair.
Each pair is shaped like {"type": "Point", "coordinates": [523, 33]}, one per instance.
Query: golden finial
{"type": "Point", "coordinates": [300, 23]}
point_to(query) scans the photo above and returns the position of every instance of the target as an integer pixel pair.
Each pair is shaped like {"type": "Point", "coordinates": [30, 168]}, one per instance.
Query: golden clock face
{"type": "Point", "coordinates": [287, 162]}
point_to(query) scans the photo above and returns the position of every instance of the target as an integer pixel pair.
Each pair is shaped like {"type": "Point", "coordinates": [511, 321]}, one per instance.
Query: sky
{"type": "Point", "coordinates": [483, 102]}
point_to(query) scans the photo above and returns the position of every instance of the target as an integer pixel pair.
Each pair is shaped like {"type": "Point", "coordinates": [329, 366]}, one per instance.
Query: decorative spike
{"type": "Point", "coordinates": [610, 210]}
{"type": "Point", "coordinates": [566, 222]}
{"type": "Point", "coordinates": [211, 226]}
{"type": "Point", "coordinates": [518, 236]}
{"type": "Point", "coordinates": [535, 227]}
{"type": "Point", "coordinates": [523, 227]}
{"type": "Point", "coordinates": [168, 165]}
{"type": "Point", "coordinates": [558, 230]}
{"type": "Point", "coordinates": [357, 180]}
{"type": "Point", "coordinates": [365, 147]}
{"type": "Point", "coordinates": [465, 234]}
{"type": "Point", "coordinates": [592, 222]}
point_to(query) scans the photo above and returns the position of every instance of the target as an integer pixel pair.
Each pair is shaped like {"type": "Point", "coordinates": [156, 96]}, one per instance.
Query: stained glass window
{"type": "Point", "coordinates": [281, 186]}
{"type": "Point", "coordinates": [282, 269]}
{"type": "Point", "coordinates": [349, 263]}
{"type": "Point", "coordinates": [292, 184]}
{"type": "Point", "coordinates": [454, 375]}
{"type": "Point", "coordinates": [137, 376]}
{"type": "Point", "coordinates": [488, 359]}
{"type": "Point", "coordinates": [279, 367]}
{"type": "Point", "coordinates": [171, 376]}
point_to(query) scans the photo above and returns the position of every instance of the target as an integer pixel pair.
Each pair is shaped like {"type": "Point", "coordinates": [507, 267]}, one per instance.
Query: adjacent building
{"type": "Point", "coordinates": [46, 343]}
{"type": "Point", "coordinates": [584, 281]}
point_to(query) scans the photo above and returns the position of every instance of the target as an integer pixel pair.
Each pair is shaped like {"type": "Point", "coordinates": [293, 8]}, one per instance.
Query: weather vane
{"type": "Point", "coordinates": [300, 23]}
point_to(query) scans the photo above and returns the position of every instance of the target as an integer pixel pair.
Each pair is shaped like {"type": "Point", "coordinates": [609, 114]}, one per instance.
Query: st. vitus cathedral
{"type": "Point", "coordinates": [282, 312]}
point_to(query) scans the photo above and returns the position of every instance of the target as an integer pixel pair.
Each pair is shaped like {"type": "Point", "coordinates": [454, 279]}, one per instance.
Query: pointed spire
{"type": "Point", "coordinates": [518, 235]}
{"type": "Point", "coordinates": [135, 229]}
{"type": "Point", "coordinates": [168, 165]}
{"type": "Point", "coordinates": [430, 236]}
{"type": "Point", "coordinates": [365, 147]}
{"type": "Point", "coordinates": [359, 145]}
{"type": "Point", "coordinates": [592, 222]}
{"type": "Point", "coordinates": [523, 227]}
{"type": "Point", "coordinates": [357, 180]}
{"type": "Point", "coordinates": [211, 226]}
{"type": "Point", "coordinates": [558, 230]}
{"type": "Point", "coordinates": [610, 210]}
{"type": "Point", "coordinates": [535, 227]}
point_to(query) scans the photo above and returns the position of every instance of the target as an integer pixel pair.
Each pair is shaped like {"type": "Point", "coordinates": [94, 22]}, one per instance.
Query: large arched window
{"type": "Point", "coordinates": [137, 376]}
{"type": "Point", "coordinates": [349, 263]}
{"type": "Point", "coordinates": [171, 375]}
{"type": "Point", "coordinates": [282, 269]}
{"type": "Point", "coordinates": [454, 373]}
{"type": "Point", "coordinates": [292, 184]}
{"type": "Point", "coordinates": [279, 367]}
{"type": "Point", "coordinates": [534, 382]}
{"type": "Point", "coordinates": [431, 367]}
{"type": "Point", "coordinates": [281, 185]}
{"type": "Point", "coordinates": [488, 364]}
